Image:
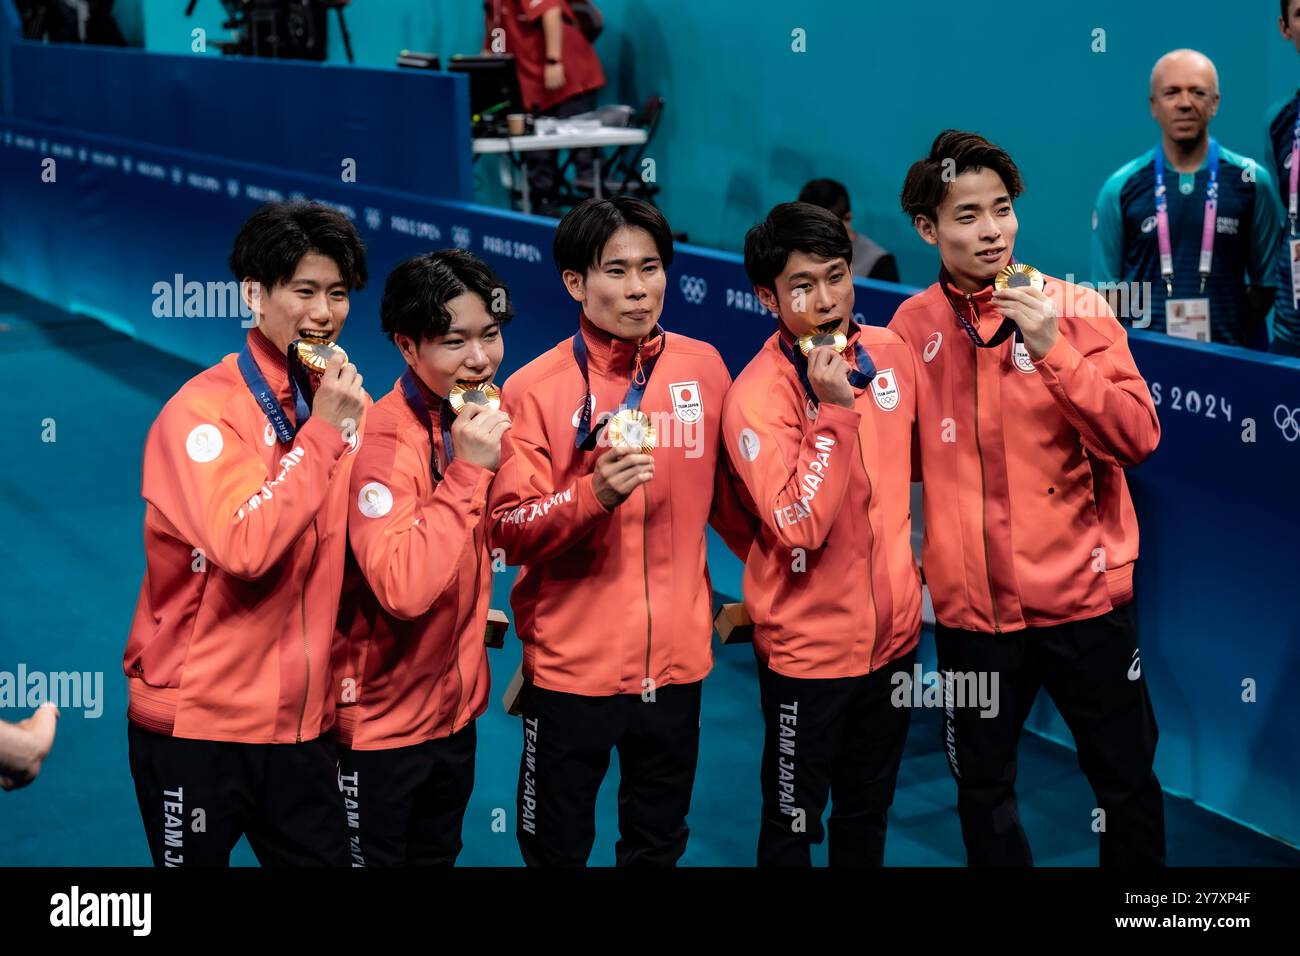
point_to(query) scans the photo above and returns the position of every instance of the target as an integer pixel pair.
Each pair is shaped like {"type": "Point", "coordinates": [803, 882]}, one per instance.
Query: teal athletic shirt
{"type": "Point", "coordinates": [1281, 129]}
{"type": "Point", "coordinates": [1125, 248]}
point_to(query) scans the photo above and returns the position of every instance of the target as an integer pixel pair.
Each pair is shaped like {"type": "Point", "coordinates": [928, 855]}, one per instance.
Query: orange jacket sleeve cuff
{"type": "Point", "coordinates": [587, 500]}
{"type": "Point", "coordinates": [1060, 359]}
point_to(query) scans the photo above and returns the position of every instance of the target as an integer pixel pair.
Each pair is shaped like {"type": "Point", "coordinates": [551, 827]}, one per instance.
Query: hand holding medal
{"type": "Point", "coordinates": [322, 368]}
{"type": "Point", "coordinates": [828, 373]}
{"type": "Point", "coordinates": [480, 424]}
{"type": "Point", "coordinates": [1018, 293]}
{"type": "Point", "coordinates": [618, 473]}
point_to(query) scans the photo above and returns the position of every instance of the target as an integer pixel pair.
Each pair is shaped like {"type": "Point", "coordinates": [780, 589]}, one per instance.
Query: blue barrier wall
{"type": "Point", "coordinates": [406, 130]}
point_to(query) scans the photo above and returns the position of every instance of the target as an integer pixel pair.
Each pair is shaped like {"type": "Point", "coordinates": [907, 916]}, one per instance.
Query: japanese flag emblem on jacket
{"type": "Point", "coordinates": [687, 404]}
{"type": "Point", "coordinates": [884, 389]}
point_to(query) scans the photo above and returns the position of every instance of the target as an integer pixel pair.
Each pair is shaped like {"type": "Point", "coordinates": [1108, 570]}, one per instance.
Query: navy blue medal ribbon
{"type": "Point", "coordinates": [269, 402]}
{"type": "Point", "coordinates": [415, 399]}
{"type": "Point", "coordinates": [586, 438]}
{"type": "Point", "coordinates": [1007, 327]}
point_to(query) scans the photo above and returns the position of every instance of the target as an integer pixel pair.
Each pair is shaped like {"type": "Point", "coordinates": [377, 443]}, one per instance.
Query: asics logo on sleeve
{"type": "Point", "coordinates": [932, 347]}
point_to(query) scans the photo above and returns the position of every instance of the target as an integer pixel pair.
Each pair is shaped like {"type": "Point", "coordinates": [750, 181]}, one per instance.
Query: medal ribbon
{"type": "Point", "coordinates": [267, 399]}
{"type": "Point", "coordinates": [415, 399]}
{"type": "Point", "coordinates": [586, 438]}
{"type": "Point", "coordinates": [1007, 327]}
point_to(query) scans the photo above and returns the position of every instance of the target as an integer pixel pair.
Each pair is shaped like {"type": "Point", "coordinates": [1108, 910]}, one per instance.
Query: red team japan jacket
{"type": "Point", "coordinates": [244, 548]}
{"type": "Point", "coordinates": [606, 601]}
{"type": "Point", "coordinates": [1028, 519]}
{"type": "Point", "coordinates": [410, 662]}
{"type": "Point", "coordinates": [831, 583]}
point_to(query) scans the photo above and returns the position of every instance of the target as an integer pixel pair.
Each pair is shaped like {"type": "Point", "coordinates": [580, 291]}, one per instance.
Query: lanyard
{"type": "Point", "coordinates": [267, 400]}
{"type": "Point", "coordinates": [1004, 330]}
{"type": "Point", "coordinates": [859, 377]}
{"type": "Point", "coordinates": [635, 389]}
{"type": "Point", "coordinates": [1295, 167]}
{"type": "Point", "coordinates": [415, 399]}
{"type": "Point", "coordinates": [1207, 226]}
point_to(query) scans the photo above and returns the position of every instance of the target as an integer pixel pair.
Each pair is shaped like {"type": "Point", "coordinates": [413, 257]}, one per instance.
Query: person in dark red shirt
{"type": "Point", "coordinates": [559, 72]}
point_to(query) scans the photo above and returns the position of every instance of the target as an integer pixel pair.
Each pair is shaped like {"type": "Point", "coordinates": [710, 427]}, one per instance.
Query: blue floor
{"type": "Point", "coordinates": [71, 516]}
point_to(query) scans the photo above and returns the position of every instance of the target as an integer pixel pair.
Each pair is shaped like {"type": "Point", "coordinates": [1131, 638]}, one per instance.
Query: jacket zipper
{"type": "Point", "coordinates": [984, 505]}
{"type": "Point", "coordinates": [871, 560]}
{"type": "Point", "coordinates": [306, 652]}
{"type": "Point", "coordinates": [639, 380]}
{"type": "Point", "coordinates": [645, 555]}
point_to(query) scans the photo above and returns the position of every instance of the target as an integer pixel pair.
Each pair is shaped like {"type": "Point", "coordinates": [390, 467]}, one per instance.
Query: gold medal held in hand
{"type": "Point", "coordinates": [1017, 275]}
{"type": "Point", "coordinates": [462, 395]}
{"type": "Point", "coordinates": [632, 429]}
{"type": "Point", "coordinates": [316, 355]}
{"type": "Point", "coordinates": [817, 338]}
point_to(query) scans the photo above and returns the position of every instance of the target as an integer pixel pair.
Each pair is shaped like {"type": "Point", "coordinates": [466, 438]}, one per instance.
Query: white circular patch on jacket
{"type": "Point", "coordinates": [204, 443]}
{"type": "Point", "coordinates": [268, 435]}
{"type": "Point", "coordinates": [374, 500]}
{"type": "Point", "coordinates": [748, 444]}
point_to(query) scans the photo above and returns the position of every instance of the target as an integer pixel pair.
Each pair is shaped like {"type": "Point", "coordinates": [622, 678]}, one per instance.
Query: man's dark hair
{"type": "Point", "coordinates": [793, 227]}
{"type": "Point", "coordinates": [827, 193]}
{"type": "Point", "coordinates": [581, 235]}
{"type": "Point", "coordinates": [418, 290]}
{"type": "Point", "coordinates": [276, 237]}
{"type": "Point", "coordinates": [926, 185]}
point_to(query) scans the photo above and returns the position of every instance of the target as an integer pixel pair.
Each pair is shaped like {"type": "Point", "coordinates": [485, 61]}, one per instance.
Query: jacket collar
{"type": "Point", "coordinates": [609, 355]}
{"type": "Point", "coordinates": [978, 307]}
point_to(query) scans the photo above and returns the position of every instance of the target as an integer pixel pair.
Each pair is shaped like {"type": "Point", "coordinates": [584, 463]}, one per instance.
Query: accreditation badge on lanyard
{"type": "Point", "coordinates": [1187, 318]}
{"type": "Point", "coordinates": [1293, 244]}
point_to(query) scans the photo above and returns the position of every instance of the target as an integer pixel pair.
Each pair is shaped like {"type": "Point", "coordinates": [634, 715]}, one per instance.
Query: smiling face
{"type": "Point", "coordinates": [623, 292]}
{"type": "Point", "coordinates": [1184, 95]}
{"type": "Point", "coordinates": [313, 304]}
{"type": "Point", "coordinates": [468, 354]}
{"type": "Point", "coordinates": [811, 292]}
{"type": "Point", "coordinates": [974, 229]}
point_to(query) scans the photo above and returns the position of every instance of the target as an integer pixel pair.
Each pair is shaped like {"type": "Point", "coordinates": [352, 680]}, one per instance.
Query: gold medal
{"type": "Point", "coordinates": [316, 355]}
{"type": "Point", "coordinates": [1019, 276]}
{"type": "Point", "coordinates": [631, 429]}
{"type": "Point", "coordinates": [816, 338]}
{"type": "Point", "coordinates": [461, 395]}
